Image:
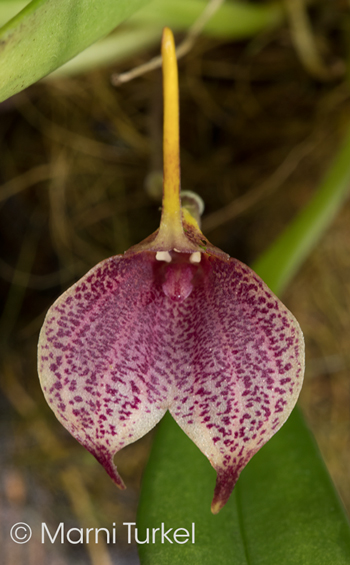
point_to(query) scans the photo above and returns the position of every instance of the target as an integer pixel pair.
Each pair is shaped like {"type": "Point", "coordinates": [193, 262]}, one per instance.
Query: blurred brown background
{"type": "Point", "coordinates": [80, 165]}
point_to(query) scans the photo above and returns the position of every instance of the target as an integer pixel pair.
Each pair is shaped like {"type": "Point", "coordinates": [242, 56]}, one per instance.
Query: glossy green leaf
{"type": "Point", "coordinates": [47, 33]}
{"type": "Point", "coordinates": [284, 508]}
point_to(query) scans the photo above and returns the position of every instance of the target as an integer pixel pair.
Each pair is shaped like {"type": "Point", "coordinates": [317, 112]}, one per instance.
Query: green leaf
{"type": "Point", "coordinates": [47, 33]}
{"type": "Point", "coordinates": [284, 508]}
{"type": "Point", "coordinates": [111, 50]}
{"type": "Point", "coordinates": [290, 512]}
{"type": "Point", "coordinates": [235, 19]}
{"type": "Point", "coordinates": [9, 9]}
{"type": "Point", "coordinates": [281, 261]}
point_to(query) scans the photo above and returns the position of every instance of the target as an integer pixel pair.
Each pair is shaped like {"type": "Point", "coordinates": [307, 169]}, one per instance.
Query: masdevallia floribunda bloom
{"type": "Point", "coordinates": [173, 324]}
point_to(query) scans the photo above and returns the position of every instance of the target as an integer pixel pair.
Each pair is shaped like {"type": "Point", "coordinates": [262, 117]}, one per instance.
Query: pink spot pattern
{"type": "Point", "coordinates": [209, 342]}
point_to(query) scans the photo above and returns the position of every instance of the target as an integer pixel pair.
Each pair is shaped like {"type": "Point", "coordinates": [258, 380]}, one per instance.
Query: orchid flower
{"type": "Point", "coordinates": [173, 324]}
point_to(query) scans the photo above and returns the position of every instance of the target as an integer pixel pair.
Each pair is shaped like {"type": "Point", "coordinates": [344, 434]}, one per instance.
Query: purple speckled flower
{"type": "Point", "coordinates": [174, 324]}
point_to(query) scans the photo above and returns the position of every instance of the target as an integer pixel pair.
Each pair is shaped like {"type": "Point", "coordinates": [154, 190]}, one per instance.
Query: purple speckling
{"type": "Point", "coordinates": [209, 342]}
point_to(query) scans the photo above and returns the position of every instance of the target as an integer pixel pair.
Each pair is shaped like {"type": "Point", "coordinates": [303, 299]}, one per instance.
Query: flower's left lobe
{"type": "Point", "coordinates": [99, 355]}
